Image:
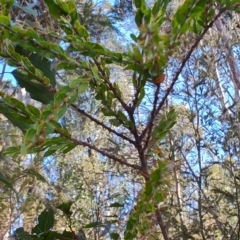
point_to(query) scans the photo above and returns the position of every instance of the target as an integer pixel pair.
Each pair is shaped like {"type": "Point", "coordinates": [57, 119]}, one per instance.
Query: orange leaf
{"type": "Point", "coordinates": [159, 79]}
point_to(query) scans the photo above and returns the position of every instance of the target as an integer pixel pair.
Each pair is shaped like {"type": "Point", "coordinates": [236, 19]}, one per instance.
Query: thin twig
{"type": "Point", "coordinates": [3, 71]}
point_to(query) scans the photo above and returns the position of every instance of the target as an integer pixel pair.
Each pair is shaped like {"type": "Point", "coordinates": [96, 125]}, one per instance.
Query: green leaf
{"type": "Point", "coordinates": [53, 125]}
{"type": "Point", "coordinates": [107, 112]}
{"type": "Point", "coordinates": [5, 181]}
{"type": "Point", "coordinates": [63, 5]}
{"type": "Point", "coordinates": [133, 37]}
{"type": "Point", "coordinates": [54, 8]}
{"type": "Point", "coordinates": [17, 57]}
{"type": "Point", "coordinates": [115, 122]}
{"type": "Point", "coordinates": [156, 7]}
{"type": "Point", "coordinates": [148, 189]}
{"type": "Point", "coordinates": [81, 30]}
{"type": "Point", "coordinates": [65, 89]}
{"type": "Point", "coordinates": [45, 114]}
{"type": "Point", "coordinates": [122, 116]}
{"type": "Point", "coordinates": [93, 225]}
{"type": "Point", "coordinates": [68, 148]}
{"type": "Point", "coordinates": [164, 125]}
{"type": "Point", "coordinates": [139, 17]}
{"type": "Point", "coordinates": [22, 235]}
{"type": "Point", "coordinates": [138, 3]}
{"type": "Point", "coordinates": [116, 205]}
{"type": "Point", "coordinates": [135, 67]}
{"type": "Point", "coordinates": [40, 63]}
{"type": "Point", "coordinates": [61, 111]}
{"type": "Point", "coordinates": [114, 236]}
{"type": "Point", "coordinates": [12, 151]}
{"type": "Point", "coordinates": [30, 134]}
{"type": "Point", "coordinates": [134, 80]}
{"type": "Point", "coordinates": [26, 148]}
{"type": "Point", "coordinates": [144, 7]}
{"type": "Point", "coordinates": [17, 119]}
{"type": "Point", "coordinates": [66, 66]}
{"type": "Point", "coordinates": [156, 175]}
{"type": "Point", "coordinates": [159, 197]}
{"type": "Point", "coordinates": [45, 222]}
{"type": "Point", "coordinates": [35, 111]}
{"type": "Point", "coordinates": [31, 82]}
{"type": "Point", "coordinates": [66, 25]}
{"type": "Point", "coordinates": [185, 27]}
{"type": "Point", "coordinates": [29, 9]}
{"type": "Point", "coordinates": [72, 10]}
{"type": "Point", "coordinates": [55, 235]}
{"type": "Point", "coordinates": [36, 174]}
{"type": "Point", "coordinates": [147, 16]}
{"type": "Point", "coordinates": [58, 98]}
{"type": "Point", "coordinates": [141, 96]}
{"type": "Point", "coordinates": [37, 90]}
{"type": "Point", "coordinates": [67, 235]}
{"type": "Point", "coordinates": [66, 207]}
{"type": "Point", "coordinates": [83, 87]}
{"type": "Point", "coordinates": [50, 152]}
{"type": "Point", "coordinates": [54, 48]}
{"type": "Point", "coordinates": [55, 141]}
{"type": "Point", "coordinates": [18, 105]}
{"type": "Point", "coordinates": [137, 54]}
{"type": "Point", "coordinates": [74, 83]}
{"type": "Point", "coordinates": [73, 97]}
{"type": "Point", "coordinates": [5, 20]}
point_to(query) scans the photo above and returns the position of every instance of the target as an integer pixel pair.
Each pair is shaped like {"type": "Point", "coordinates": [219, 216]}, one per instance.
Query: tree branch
{"type": "Point", "coordinates": [162, 225]}
{"type": "Point", "coordinates": [102, 124]}
{"type": "Point", "coordinates": [156, 110]}
{"type": "Point", "coordinates": [148, 129]}
{"type": "Point", "coordinates": [118, 159]}
{"type": "Point", "coordinates": [187, 58]}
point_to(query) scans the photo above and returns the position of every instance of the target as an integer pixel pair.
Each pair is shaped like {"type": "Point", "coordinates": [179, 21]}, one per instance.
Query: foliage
{"type": "Point", "coordinates": [43, 229]}
{"type": "Point", "coordinates": [32, 54]}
